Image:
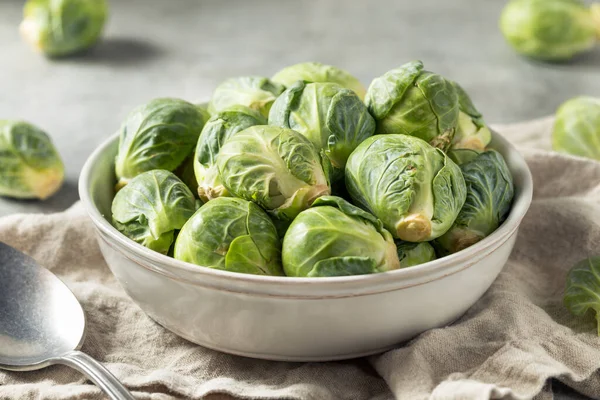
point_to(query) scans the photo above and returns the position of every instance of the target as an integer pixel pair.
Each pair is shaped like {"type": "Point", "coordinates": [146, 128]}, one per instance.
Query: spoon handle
{"type": "Point", "coordinates": [97, 373]}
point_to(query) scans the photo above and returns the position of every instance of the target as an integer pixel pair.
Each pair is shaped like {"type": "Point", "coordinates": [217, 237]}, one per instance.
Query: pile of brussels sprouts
{"type": "Point", "coordinates": [297, 175]}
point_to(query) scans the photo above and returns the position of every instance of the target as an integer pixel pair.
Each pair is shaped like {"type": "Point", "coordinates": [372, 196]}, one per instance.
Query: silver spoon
{"type": "Point", "coordinates": [42, 323]}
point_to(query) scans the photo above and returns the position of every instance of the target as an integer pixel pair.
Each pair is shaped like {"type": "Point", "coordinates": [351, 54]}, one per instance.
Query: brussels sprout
{"type": "Point", "coordinates": [414, 188]}
{"type": "Point", "coordinates": [233, 235]}
{"type": "Point", "coordinates": [158, 135]}
{"type": "Point", "coordinates": [151, 207]}
{"type": "Point", "coordinates": [334, 119]}
{"type": "Point", "coordinates": [335, 238]}
{"type": "Point", "coordinates": [550, 29]}
{"type": "Point", "coordinates": [411, 254]}
{"type": "Point", "coordinates": [577, 128]}
{"type": "Point", "coordinates": [251, 91]}
{"type": "Point", "coordinates": [490, 192]}
{"type": "Point", "coordinates": [277, 168]}
{"type": "Point", "coordinates": [62, 27]}
{"type": "Point", "coordinates": [582, 292]}
{"type": "Point", "coordinates": [30, 165]}
{"type": "Point", "coordinates": [472, 132]}
{"type": "Point", "coordinates": [411, 101]}
{"type": "Point", "coordinates": [317, 72]}
{"type": "Point", "coordinates": [215, 133]}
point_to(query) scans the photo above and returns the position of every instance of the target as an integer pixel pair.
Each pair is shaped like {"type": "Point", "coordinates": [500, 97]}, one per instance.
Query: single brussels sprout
{"type": "Point", "coordinates": [233, 235]}
{"type": "Point", "coordinates": [30, 166]}
{"type": "Point", "coordinates": [582, 292]}
{"type": "Point", "coordinates": [317, 72]}
{"type": "Point", "coordinates": [160, 134]}
{"type": "Point", "coordinates": [414, 188]}
{"type": "Point", "coordinates": [334, 119]}
{"type": "Point", "coordinates": [490, 192]}
{"type": "Point", "coordinates": [411, 254]}
{"type": "Point", "coordinates": [412, 101]}
{"type": "Point", "coordinates": [472, 132]}
{"type": "Point", "coordinates": [215, 133]}
{"type": "Point", "coordinates": [152, 207]}
{"type": "Point", "coordinates": [62, 27]}
{"type": "Point", "coordinates": [551, 30]}
{"type": "Point", "coordinates": [255, 92]}
{"type": "Point", "coordinates": [277, 168]}
{"type": "Point", "coordinates": [577, 128]}
{"type": "Point", "coordinates": [335, 238]}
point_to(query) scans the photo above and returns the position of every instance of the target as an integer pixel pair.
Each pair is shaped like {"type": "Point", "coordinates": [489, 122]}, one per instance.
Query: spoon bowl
{"type": "Point", "coordinates": [42, 323]}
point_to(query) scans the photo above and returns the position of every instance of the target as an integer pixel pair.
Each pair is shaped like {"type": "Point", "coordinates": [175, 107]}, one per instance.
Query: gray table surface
{"type": "Point", "coordinates": [184, 48]}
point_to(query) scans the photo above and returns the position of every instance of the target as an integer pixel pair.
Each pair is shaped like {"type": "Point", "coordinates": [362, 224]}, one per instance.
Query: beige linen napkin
{"type": "Point", "coordinates": [505, 347]}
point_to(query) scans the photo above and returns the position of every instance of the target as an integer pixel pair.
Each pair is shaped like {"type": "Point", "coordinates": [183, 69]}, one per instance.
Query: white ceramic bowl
{"type": "Point", "coordinates": [299, 319]}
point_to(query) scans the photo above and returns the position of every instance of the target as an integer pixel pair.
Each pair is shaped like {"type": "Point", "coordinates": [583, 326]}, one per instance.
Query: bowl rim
{"type": "Point", "coordinates": [437, 268]}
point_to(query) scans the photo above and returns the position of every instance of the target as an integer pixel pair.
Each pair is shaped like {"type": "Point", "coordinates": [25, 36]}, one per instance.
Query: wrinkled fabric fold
{"type": "Point", "coordinates": [507, 346]}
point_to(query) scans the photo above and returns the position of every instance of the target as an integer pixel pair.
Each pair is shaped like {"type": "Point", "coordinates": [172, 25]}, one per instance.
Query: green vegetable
{"type": "Point", "coordinates": [577, 128]}
{"type": "Point", "coordinates": [152, 207]}
{"type": "Point", "coordinates": [414, 188]}
{"type": "Point", "coordinates": [472, 132]}
{"type": "Point", "coordinates": [335, 238]}
{"type": "Point", "coordinates": [411, 254]}
{"type": "Point", "coordinates": [233, 235]}
{"type": "Point", "coordinates": [409, 100]}
{"type": "Point", "coordinates": [254, 92]}
{"type": "Point", "coordinates": [160, 134]}
{"type": "Point", "coordinates": [550, 29]}
{"type": "Point", "coordinates": [185, 172]}
{"type": "Point", "coordinates": [334, 119]}
{"type": "Point", "coordinates": [582, 292]}
{"type": "Point", "coordinates": [62, 27]}
{"type": "Point", "coordinates": [216, 132]}
{"type": "Point", "coordinates": [461, 156]}
{"type": "Point", "coordinates": [30, 166]}
{"type": "Point", "coordinates": [317, 72]}
{"type": "Point", "coordinates": [490, 191]}
{"type": "Point", "coordinates": [277, 168]}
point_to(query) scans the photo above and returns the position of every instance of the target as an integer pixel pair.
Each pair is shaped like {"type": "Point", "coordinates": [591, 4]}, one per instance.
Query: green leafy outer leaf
{"type": "Point", "coordinates": [158, 135]}
{"type": "Point", "coordinates": [461, 156]}
{"type": "Point", "coordinates": [61, 27]}
{"type": "Point", "coordinates": [577, 128]}
{"type": "Point", "coordinates": [582, 292]}
{"type": "Point", "coordinates": [414, 188]}
{"type": "Point", "coordinates": [490, 191]}
{"type": "Point", "coordinates": [411, 254]}
{"type": "Point", "coordinates": [255, 92]}
{"type": "Point", "coordinates": [408, 100]}
{"type": "Point", "coordinates": [277, 168]}
{"type": "Point", "coordinates": [472, 132]}
{"type": "Point", "coordinates": [30, 166]}
{"type": "Point", "coordinates": [334, 119]}
{"type": "Point", "coordinates": [233, 235]}
{"type": "Point", "coordinates": [549, 29]}
{"type": "Point", "coordinates": [151, 207]}
{"type": "Point", "coordinates": [215, 133]}
{"type": "Point", "coordinates": [317, 72]}
{"type": "Point", "coordinates": [335, 238]}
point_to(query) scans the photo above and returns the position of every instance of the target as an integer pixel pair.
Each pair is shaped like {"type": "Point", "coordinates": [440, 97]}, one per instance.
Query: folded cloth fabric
{"type": "Point", "coordinates": [507, 346]}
